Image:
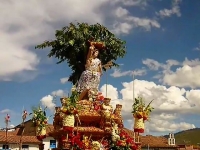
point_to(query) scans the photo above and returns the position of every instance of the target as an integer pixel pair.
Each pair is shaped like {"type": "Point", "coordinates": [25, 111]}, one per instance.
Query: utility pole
{"type": "Point", "coordinates": [22, 127]}
{"type": "Point", "coordinates": [7, 120]}
{"type": "Point", "coordinates": [133, 88]}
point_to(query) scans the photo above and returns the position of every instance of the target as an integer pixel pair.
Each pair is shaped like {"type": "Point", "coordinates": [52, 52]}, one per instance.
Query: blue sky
{"type": "Point", "coordinates": [163, 47]}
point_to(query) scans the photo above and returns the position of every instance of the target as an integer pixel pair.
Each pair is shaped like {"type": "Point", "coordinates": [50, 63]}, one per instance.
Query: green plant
{"type": "Point", "coordinates": [39, 117]}
{"type": "Point", "coordinates": [139, 102]}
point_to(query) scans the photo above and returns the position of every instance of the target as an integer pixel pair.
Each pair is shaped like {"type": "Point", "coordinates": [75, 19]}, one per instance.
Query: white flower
{"type": "Point", "coordinates": [73, 89]}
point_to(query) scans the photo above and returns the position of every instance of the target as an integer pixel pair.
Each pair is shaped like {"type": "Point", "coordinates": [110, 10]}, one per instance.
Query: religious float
{"type": "Point", "coordinates": [86, 120]}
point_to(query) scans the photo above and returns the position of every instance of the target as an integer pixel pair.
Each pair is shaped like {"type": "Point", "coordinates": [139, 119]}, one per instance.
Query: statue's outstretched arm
{"type": "Point", "coordinates": [100, 69]}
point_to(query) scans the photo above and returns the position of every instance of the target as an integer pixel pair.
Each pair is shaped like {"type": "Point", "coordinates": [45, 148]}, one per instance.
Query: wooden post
{"type": "Point", "coordinates": [20, 142]}
{"type": "Point", "coordinates": [41, 146]}
{"type": "Point", "coordinates": [6, 136]}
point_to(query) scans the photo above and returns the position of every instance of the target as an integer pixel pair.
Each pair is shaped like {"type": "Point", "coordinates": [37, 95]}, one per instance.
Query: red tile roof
{"type": "Point", "coordinates": [16, 139]}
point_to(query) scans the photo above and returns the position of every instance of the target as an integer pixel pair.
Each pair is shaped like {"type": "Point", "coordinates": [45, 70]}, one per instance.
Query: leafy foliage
{"type": "Point", "coordinates": [71, 45]}
{"type": "Point", "coordinates": [39, 116]}
{"type": "Point", "coordinates": [72, 100]}
{"type": "Point", "coordinates": [139, 102]}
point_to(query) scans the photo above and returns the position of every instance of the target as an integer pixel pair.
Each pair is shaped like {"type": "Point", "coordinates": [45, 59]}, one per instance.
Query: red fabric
{"type": "Point", "coordinates": [139, 116]}
{"type": "Point", "coordinates": [67, 128]}
{"type": "Point", "coordinates": [139, 130]}
{"type": "Point", "coordinates": [75, 112]}
{"type": "Point", "coordinates": [41, 137]}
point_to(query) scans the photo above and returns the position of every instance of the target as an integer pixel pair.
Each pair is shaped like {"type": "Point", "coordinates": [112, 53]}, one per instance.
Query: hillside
{"type": "Point", "coordinates": [191, 136]}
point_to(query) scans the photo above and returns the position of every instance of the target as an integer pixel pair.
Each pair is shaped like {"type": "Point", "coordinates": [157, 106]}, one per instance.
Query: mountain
{"type": "Point", "coordinates": [190, 137]}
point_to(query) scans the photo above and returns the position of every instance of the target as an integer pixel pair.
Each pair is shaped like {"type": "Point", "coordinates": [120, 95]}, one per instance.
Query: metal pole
{"type": "Point", "coordinates": [133, 89]}
{"type": "Point", "coordinates": [106, 84]}
{"type": "Point", "coordinates": [6, 136]}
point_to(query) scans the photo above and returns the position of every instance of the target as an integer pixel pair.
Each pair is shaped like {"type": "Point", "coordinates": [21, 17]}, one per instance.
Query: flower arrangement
{"type": "Point", "coordinates": [76, 142]}
{"type": "Point", "coordinates": [140, 109]}
{"type": "Point", "coordinates": [39, 116]}
{"type": "Point", "coordinates": [40, 120]}
{"type": "Point", "coordinates": [124, 143]}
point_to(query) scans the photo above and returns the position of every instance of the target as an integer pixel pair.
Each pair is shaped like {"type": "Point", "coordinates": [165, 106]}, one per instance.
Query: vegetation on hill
{"type": "Point", "coordinates": [188, 137]}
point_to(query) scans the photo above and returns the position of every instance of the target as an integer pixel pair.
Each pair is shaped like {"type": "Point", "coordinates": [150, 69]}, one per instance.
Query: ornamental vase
{"type": "Point", "coordinates": [40, 132]}
{"type": "Point", "coordinates": [139, 125]}
{"type": "Point", "coordinates": [68, 120]}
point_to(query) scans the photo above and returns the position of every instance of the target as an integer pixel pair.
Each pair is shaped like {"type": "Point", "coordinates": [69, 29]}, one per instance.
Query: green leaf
{"type": "Point", "coordinates": [71, 42]}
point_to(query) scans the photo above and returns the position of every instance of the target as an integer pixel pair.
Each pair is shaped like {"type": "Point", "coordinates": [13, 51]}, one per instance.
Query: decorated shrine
{"type": "Point", "coordinates": [86, 120]}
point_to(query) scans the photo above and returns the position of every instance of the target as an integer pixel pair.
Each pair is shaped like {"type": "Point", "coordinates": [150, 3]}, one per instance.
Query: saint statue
{"type": "Point", "coordinates": [90, 78]}
{"type": "Point", "coordinates": [106, 114]}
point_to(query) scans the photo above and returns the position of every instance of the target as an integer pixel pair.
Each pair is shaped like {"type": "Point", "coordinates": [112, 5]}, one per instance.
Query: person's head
{"type": "Point", "coordinates": [95, 53]}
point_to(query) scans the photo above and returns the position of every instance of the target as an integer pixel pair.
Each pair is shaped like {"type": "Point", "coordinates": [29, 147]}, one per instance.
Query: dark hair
{"type": "Point", "coordinates": [95, 51]}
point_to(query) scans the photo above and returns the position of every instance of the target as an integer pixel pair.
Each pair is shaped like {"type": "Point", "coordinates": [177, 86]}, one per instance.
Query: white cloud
{"type": "Point", "coordinates": [118, 73]}
{"type": "Point", "coordinates": [170, 103]}
{"type": "Point", "coordinates": [131, 2]}
{"type": "Point", "coordinates": [59, 93]}
{"type": "Point", "coordinates": [155, 65]}
{"type": "Point", "coordinates": [24, 27]}
{"type": "Point", "coordinates": [167, 126]}
{"type": "Point", "coordinates": [152, 64]}
{"type": "Point", "coordinates": [111, 91]}
{"type": "Point", "coordinates": [64, 80]}
{"type": "Point", "coordinates": [121, 12]}
{"type": "Point", "coordinates": [191, 63]}
{"type": "Point", "coordinates": [162, 126]}
{"type": "Point", "coordinates": [175, 10]}
{"type": "Point", "coordinates": [15, 58]}
{"type": "Point", "coordinates": [5, 111]}
{"type": "Point", "coordinates": [167, 116]}
{"type": "Point", "coordinates": [197, 48]}
{"type": "Point", "coordinates": [186, 75]}
{"type": "Point", "coordinates": [47, 101]}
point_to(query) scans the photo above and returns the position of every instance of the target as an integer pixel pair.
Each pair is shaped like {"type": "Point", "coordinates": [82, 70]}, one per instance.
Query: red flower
{"type": "Point", "coordinates": [104, 143]}
{"type": "Point", "coordinates": [100, 97]}
{"type": "Point", "coordinates": [129, 140]}
{"type": "Point", "coordinates": [139, 116]}
{"type": "Point", "coordinates": [121, 143]}
{"type": "Point", "coordinates": [133, 147]}
{"type": "Point", "coordinates": [145, 118]}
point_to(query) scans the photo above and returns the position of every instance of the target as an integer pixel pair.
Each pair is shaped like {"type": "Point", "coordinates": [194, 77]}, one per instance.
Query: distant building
{"type": "Point", "coordinates": [171, 139]}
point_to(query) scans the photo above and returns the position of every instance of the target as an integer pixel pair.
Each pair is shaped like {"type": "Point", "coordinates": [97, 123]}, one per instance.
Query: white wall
{"type": "Point", "coordinates": [46, 142]}
{"type": "Point", "coordinates": [16, 146]}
